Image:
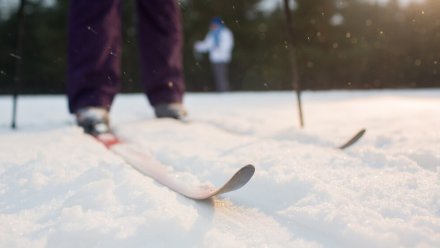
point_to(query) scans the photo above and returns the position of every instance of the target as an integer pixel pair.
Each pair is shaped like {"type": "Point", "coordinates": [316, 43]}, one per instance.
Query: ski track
{"type": "Point", "coordinates": [59, 188]}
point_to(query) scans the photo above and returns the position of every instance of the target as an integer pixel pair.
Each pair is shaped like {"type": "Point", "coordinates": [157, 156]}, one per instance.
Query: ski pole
{"type": "Point", "coordinates": [295, 75]}
{"type": "Point", "coordinates": [18, 61]}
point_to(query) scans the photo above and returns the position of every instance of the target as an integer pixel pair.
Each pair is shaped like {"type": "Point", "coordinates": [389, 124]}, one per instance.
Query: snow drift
{"type": "Point", "coordinates": [60, 188]}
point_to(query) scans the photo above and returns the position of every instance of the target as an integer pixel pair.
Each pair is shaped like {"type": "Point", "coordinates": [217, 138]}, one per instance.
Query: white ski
{"type": "Point", "coordinates": [147, 165]}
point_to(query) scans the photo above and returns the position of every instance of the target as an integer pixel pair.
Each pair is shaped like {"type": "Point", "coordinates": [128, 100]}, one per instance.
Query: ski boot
{"type": "Point", "coordinates": [95, 121]}
{"type": "Point", "coordinates": [170, 110]}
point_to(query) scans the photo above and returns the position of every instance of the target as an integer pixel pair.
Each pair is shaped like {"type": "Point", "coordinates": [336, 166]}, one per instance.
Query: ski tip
{"type": "Point", "coordinates": [238, 180]}
{"type": "Point", "coordinates": [361, 133]}
{"type": "Point", "coordinates": [245, 174]}
{"type": "Point", "coordinates": [354, 139]}
{"type": "Point", "coordinates": [250, 168]}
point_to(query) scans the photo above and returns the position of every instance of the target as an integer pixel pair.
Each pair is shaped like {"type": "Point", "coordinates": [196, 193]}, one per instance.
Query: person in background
{"type": "Point", "coordinates": [94, 59]}
{"type": "Point", "coordinates": [219, 42]}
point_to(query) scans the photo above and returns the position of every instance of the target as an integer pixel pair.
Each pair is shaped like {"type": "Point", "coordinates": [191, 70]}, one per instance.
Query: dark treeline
{"type": "Point", "coordinates": [339, 44]}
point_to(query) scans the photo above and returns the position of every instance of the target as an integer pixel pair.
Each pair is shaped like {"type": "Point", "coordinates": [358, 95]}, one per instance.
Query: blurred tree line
{"type": "Point", "coordinates": [339, 44]}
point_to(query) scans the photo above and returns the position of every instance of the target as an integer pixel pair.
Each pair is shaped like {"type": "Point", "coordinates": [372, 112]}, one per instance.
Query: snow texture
{"type": "Point", "coordinates": [60, 188]}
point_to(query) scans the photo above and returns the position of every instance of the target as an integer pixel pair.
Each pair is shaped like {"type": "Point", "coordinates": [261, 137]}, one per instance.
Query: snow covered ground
{"type": "Point", "coordinates": [59, 188]}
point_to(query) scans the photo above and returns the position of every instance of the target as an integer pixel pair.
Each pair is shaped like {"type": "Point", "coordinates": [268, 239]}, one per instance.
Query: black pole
{"type": "Point", "coordinates": [295, 75]}
{"type": "Point", "coordinates": [18, 62]}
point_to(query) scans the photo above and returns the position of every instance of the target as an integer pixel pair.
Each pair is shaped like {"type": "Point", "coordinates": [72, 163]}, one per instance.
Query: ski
{"type": "Point", "coordinates": [353, 139]}
{"type": "Point", "coordinates": [149, 166]}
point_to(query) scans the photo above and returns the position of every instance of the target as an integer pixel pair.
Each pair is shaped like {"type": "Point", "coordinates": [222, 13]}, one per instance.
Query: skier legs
{"type": "Point", "coordinates": [160, 42]}
{"type": "Point", "coordinates": [95, 59]}
{"type": "Point", "coordinates": [220, 71]}
{"type": "Point", "coordinates": [94, 53]}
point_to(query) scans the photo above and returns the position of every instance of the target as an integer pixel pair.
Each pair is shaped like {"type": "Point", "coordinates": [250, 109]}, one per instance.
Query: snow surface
{"type": "Point", "coordinates": [59, 188]}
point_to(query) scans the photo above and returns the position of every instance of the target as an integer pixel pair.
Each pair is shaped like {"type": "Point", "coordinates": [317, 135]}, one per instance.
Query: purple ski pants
{"type": "Point", "coordinates": [94, 52]}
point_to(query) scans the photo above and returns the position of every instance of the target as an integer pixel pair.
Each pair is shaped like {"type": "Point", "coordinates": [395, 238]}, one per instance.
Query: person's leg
{"type": "Point", "coordinates": [94, 53]}
{"type": "Point", "coordinates": [160, 42]}
{"type": "Point", "coordinates": [225, 77]}
{"type": "Point", "coordinates": [220, 71]}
